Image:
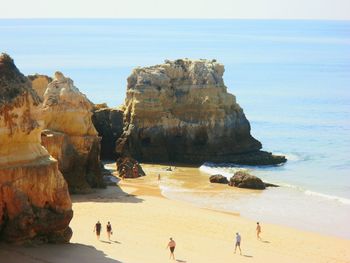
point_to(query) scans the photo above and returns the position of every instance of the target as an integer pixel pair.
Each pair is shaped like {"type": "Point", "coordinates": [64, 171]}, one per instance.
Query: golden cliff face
{"type": "Point", "coordinates": [70, 135]}
{"type": "Point", "coordinates": [181, 111]}
{"type": "Point", "coordinates": [39, 84]}
{"type": "Point", "coordinates": [34, 198]}
{"type": "Point", "coordinates": [66, 109]}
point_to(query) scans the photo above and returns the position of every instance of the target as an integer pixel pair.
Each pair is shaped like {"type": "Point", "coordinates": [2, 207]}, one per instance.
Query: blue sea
{"type": "Point", "coordinates": [292, 78]}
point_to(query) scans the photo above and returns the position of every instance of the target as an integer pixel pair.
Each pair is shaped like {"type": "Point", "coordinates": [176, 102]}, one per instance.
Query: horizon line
{"type": "Point", "coordinates": [171, 18]}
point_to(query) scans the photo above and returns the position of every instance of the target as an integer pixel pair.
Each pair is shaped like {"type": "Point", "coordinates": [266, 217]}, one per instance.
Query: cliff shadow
{"type": "Point", "coordinates": [110, 194]}
{"type": "Point", "coordinates": [50, 253]}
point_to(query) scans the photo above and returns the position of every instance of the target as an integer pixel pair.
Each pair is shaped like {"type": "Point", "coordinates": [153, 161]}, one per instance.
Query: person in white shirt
{"type": "Point", "coordinates": [238, 243]}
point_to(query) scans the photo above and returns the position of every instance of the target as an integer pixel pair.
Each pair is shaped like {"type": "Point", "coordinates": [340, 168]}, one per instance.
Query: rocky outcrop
{"type": "Point", "coordinates": [243, 179]}
{"type": "Point", "coordinates": [218, 178]}
{"type": "Point", "coordinates": [34, 198]}
{"type": "Point", "coordinates": [70, 135]}
{"type": "Point", "coordinates": [109, 125]}
{"type": "Point", "coordinates": [181, 111]}
{"type": "Point", "coordinates": [128, 167]}
{"type": "Point", "coordinates": [39, 83]}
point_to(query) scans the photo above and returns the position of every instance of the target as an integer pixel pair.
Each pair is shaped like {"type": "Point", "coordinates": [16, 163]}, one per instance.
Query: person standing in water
{"type": "Point", "coordinates": [171, 246]}
{"type": "Point", "coordinates": [238, 243]}
{"type": "Point", "coordinates": [109, 230]}
{"type": "Point", "coordinates": [258, 230]}
{"type": "Point", "coordinates": [97, 229]}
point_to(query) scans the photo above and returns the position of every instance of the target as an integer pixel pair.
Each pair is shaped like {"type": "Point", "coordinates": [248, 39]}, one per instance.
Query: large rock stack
{"type": "Point", "coordinates": [70, 135]}
{"type": "Point", "coordinates": [34, 198]}
{"type": "Point", "coordinates": [181, 111]}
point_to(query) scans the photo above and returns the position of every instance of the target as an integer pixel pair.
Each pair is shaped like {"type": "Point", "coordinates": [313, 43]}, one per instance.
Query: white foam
{"type": "Point", "coordinates": [210, 169]}
{"type": "Point", "coordinates": [330, 197]}
{"type": "Point", "coordinates": [290, 156]}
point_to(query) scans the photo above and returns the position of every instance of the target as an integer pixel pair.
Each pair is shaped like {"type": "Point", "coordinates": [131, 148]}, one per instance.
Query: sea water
{"type": "Point", "coordinates": [292, 78]}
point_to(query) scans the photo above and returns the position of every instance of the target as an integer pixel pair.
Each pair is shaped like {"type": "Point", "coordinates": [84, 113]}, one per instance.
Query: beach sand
{"type": "Point", "coordinates": [143, 220]}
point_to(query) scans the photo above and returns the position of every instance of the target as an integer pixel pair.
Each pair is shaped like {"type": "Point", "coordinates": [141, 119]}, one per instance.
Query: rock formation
{"type": "Point", "coordinates": [39, 84]}
{"type": "Point", "coordinates": [128, 167]}
{"type": "Point", "coordinates": [218, 178]}
{"type": "Point", "coordinates": [109, 125]}
{"type": "Point", "coordinates": [70, 136]}
{"type": "Point", "coordinates": [243, 179]}
{"type": "Point", "coordinates": [181, 111]}
{"type": "Point", "coordinates": [34, 198]}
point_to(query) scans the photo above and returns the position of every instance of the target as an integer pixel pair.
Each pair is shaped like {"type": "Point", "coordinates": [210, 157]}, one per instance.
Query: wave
{"type": "Point", "coordinates": [212, 169]}
{"type": "Point", "coordinates": [330, 197]}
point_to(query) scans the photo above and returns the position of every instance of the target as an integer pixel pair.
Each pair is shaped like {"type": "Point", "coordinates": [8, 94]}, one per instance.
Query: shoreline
{"type": "Point", "coordinates": [280, 206]}
{"type": "Point", "coordinates": [143, 220]}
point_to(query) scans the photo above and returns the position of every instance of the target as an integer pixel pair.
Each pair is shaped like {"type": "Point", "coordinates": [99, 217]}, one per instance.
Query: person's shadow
{"type": "Point", "coordinates": [181, 261]}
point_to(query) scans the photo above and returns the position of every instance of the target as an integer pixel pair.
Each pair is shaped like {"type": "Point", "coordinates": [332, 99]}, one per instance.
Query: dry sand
{"type": "Point", "coordinates": [143, 221]}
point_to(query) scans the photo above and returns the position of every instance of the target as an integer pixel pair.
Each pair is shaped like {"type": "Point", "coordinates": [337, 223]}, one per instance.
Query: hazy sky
{"type": "Point", "coordinates": [275, 9]}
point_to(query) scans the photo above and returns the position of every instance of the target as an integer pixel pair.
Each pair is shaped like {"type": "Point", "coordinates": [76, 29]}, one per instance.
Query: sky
{"type": "Point", "coordinates": [241, 9]}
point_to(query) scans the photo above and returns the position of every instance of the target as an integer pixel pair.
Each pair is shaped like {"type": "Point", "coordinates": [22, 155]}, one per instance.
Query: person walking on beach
{"type": "Point", "coordinates": [258, 230]}
{"type": "Point", "coordinates": [238, 243]}
{"type": "Point", "coordinates": [123, 173]}
{"type": "Point", "coordinates": [135, 170]}
{"type": "Point", "coordinates": [171, 246]}
{"type": "Point", "coordinates": [97, 229]}
{"type": "Point", "coordinates": [158, 177]}
{"type": "Point", "coordinates": [109, 230]}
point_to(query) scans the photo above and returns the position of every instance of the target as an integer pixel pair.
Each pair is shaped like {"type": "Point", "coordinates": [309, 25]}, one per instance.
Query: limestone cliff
{"type": "Point", "coordinates": [109, 125]}
{"type": "Point", "coordinates": [34, 198]}
{"type": "Point", "coordinates": [181, 111]}
{"type": "Point", "coordinates": [70, 135]}
{"type": "Point", "coordinates": [39, 83]}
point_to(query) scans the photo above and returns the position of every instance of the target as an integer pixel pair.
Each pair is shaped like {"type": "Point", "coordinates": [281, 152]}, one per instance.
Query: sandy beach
{"type": "Point", "coordinates": [143, 220]}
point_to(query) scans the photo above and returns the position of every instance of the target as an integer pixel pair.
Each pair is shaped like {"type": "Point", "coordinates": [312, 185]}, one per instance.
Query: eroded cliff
{"type": "Point", "coordinates": [180, 111]}
{"type": "Point", "coordinates": [34, 198]}
{"type": "Point", "coordinates": [70, 135]}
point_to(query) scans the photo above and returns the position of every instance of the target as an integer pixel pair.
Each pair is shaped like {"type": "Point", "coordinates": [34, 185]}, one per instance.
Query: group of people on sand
{"type": "Point", "coordinates": [172, 244]}
{"type": "Point", "coordinates": [98, 228]}
{"type": "Point", "coordinates": [239, 238]}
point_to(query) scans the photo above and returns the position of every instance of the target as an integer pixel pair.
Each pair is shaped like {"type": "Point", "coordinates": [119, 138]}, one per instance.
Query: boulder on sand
{"type": "Point", "coordinates": [218, 178]}
{"type": "Point", "coordinates": [243, 179]}
{"type": "Point", "coordinates": [128, 167]}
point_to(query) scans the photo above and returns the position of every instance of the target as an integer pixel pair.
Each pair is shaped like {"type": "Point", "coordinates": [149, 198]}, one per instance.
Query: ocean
{"type": "Point", "coordinates": [292, 78]}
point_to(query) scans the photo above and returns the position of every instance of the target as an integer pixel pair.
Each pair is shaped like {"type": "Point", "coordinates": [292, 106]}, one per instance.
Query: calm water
{"type": "Point", "coordinates": [292, 79]}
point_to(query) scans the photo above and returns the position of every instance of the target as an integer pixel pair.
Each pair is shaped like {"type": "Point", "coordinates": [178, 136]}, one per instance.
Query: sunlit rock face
{"type": "Point", "coordinates": [39, 83]}
{"type": "Point", "coordinates": [70, 135]}
{"type": "Point", "coordinates": [34, 198]}
{"type": "Point", "coordinates": [180, 111]}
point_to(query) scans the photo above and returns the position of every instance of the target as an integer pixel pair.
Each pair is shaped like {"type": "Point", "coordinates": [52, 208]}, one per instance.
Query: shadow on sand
{"type": "Point", "coordinates": [110, 194]}
{"type": "Point", "coordinates": [53, 254]}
